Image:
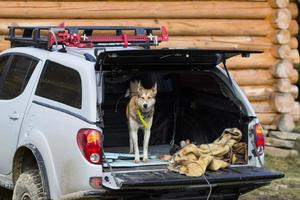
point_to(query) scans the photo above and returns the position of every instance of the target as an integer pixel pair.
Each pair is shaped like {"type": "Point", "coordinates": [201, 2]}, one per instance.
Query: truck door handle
{"type": "Point", "coordinates": [14, 116]}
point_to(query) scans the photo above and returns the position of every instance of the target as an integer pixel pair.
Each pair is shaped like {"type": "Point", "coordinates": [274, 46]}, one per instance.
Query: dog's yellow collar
{"type": "Point", "coordinates": [142, 119]}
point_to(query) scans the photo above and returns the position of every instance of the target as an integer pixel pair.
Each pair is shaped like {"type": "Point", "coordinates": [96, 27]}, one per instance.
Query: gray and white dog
{"type": "Point", "coordinates": [139, 112]}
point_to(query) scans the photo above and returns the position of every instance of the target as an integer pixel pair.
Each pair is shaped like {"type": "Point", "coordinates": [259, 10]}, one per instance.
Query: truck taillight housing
{"type": "Point", "coordinates": [89, 142]}
{"type": "Point", "coordinates": [259, 139]}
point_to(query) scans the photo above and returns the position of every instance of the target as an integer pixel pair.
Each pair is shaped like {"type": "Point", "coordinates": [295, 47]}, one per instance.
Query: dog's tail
{"type": "Point", "coordinates": [133, 89]}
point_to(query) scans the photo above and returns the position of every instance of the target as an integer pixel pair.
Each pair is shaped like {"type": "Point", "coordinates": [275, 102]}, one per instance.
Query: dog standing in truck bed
{"type": "Point", "coordinates": [139, 112]}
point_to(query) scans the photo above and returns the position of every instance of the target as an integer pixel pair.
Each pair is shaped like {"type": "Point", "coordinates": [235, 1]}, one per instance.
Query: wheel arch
{"type": "Point", "coordinates": [34, 161]}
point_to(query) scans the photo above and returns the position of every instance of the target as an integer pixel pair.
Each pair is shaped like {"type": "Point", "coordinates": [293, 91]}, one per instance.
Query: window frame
{"type": "Point", "coordinates": [52, 100]}
{"type": "Point", "coordinates": [8, 65]}
{"type": "Point", "coordinates": [5, 69]}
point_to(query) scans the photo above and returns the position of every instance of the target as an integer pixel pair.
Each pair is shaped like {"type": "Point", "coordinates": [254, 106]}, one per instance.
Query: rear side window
{"type": "Point", "coordinates": [60, 83]}
{"type": "Point", "coordinates": [3, 62]}
{"type": "Point", "coordinates": [17, 76]}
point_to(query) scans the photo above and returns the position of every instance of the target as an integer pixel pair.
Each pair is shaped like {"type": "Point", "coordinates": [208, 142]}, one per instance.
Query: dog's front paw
{"type": "Point", "coordinates": [136, 160]}
{"type": "Point", "coordinates": [145, 159]}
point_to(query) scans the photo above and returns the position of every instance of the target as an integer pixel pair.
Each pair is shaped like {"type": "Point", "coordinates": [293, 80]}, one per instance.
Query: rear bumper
{"type": "Point", "coordinates": [162, 184]}
{"type": "Point", "coordinates": [219, 191]}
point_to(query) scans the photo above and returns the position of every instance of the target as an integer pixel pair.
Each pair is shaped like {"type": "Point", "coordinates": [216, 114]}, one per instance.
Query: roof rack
{"type": "Point", "coordinates": [82, 36]}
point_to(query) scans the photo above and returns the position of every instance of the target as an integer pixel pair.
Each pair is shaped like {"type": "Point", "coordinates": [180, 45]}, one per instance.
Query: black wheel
{"type": "Point", "coordinates": [5, 194]}
{"type": "Point", "coordinates": [29, 187]}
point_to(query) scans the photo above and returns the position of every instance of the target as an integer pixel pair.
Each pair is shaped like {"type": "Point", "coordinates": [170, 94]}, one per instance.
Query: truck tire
{"type": "Point", "coordinates": [5, 194]}
{"type": "Point", "coordinates": [29, 186]}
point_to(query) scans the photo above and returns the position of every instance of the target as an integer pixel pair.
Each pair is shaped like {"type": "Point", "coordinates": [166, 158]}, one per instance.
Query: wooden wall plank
{"type": "Point", "coordinates": [182, 27]}
{"type": "Point", "coordinates": [219, 42]}
{"type": "Point", "coordinates": [137, 0]}
{"type": "Point", "coordinates": [129, 9]}
{"type": "Point", "coordinates": [252, 77]}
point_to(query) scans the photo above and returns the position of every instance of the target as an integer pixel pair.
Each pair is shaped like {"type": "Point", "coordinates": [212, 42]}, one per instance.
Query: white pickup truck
{"type": "Point", "coordinates": [61, 108]}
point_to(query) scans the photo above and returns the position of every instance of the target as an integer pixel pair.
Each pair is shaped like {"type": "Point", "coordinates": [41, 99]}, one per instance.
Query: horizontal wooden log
{"type": "Point", "coordinates": [279, 104]}
{"type": "Point", "coordinates": [281, 36]}
{"type": "Point", "coordinates": [293, 28]}
{"type": "Point", "coordinates": [295, 91]}
{"type": "Point", "coordinates": [283, 85]}
{"type": "Point", "coordinates": [131, 9]}
{"type": "Point", "coordinates": [285, 122]}
{"type": "Point", "coordinates": [281, 153]}
{"type": "Point", "coordinates": [279, 3]}
{"type": "Point", "coordinates": [255, 61]}
{"type": "Point", "coordinates": [282, 102]}
{"type": "Point", "coordinates": [281, 51]}
{"type": "Point", "coordinates": [258, 93]}
{"type": "Point", "coordinates": [252, 77]}
{"type": "Point", "coordinates": [294, 10]}
{"type": "Point", "coordinates": [179, 27]}
{"type": "Point", "coordinates": [4, 44]}
{"type": "Point", "coordinates": [281, 18]}
{"type": "Point", "coordinates": [218, 42]}
{"type": "Point", "coordinates": [293, 43]}
{"type": "Point", "coordinates": [214, 42]}
{"type": "Point", "coordinates": [262, 107]}
{"type": "Point", "coordinates": [127, 9]}
{"type": "Point", "coordinates": [270, 127]}
{"type": "Point", "coordinates": [293, 76]}
{"type": "Point", "coordinates": [274, 142]}
{"type": "Point", "coordinates": [264, 93]}
{"type": "Point", "coordinates": [296, 112]}
{"type": "Point", "coordinates": [267, 118]}
{"type": "Point", "coordinates": [294, 56]}
{"type": "Point", "coordinates": [282, 69]}
{"type": "Point", "coordinates": [127, 0]}
{"type": "Point", "coordinates": [284, 135]}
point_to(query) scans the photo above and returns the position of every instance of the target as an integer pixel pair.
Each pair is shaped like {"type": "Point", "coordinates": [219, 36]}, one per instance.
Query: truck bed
{"type": "Point", "coordinates": [225, 183]}
{"type": "Point", "coordinates": [139, 175]}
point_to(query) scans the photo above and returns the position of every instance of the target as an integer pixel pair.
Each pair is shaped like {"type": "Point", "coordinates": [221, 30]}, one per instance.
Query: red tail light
{"type": "Point", "coordinates": [89, 142]}
{"type": "Point", "coordinates": [259, 136]}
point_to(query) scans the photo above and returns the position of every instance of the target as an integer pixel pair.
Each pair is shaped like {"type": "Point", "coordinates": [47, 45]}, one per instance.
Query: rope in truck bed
{"type": "Point", "coordinates": [193, 160]}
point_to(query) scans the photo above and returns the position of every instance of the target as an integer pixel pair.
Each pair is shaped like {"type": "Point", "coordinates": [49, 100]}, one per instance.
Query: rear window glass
{"type": "Point", "coordinates": [3, 62]}
{"type": "Point", "coordinates": [17, 77]}
{"type": "Point", "coordinates": [61, 84]}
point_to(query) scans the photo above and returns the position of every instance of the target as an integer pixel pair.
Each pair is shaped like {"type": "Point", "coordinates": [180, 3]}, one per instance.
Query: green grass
{"type": "Point", "coordinates": [282, 189]}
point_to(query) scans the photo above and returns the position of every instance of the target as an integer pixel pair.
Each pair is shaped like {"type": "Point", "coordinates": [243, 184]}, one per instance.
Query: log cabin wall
{"type": "Point", "coordinates": [267, 79]}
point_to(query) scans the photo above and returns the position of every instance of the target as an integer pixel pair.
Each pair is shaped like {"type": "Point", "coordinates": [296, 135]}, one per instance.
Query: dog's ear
{"type": "Point", "coordinates": [154, 89]}
{"type": "Point", "coordinates": [139, 88]}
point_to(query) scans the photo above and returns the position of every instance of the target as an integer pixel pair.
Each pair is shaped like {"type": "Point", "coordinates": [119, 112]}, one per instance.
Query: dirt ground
{"type": "Point", "coordinates": [287, 188]}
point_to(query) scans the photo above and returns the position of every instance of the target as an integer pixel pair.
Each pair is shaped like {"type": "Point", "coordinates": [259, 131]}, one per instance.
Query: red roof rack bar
{"type": "Point", "coordinates": [83, 37]}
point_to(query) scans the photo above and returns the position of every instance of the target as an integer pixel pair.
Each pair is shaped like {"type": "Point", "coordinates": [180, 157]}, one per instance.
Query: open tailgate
{"type": "Point", "coordinates": [159, 177]}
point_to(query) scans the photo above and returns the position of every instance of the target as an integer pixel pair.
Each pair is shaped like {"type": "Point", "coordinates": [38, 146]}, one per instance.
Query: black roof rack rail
{"type": "Point", "coordinates": [46, 37]}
